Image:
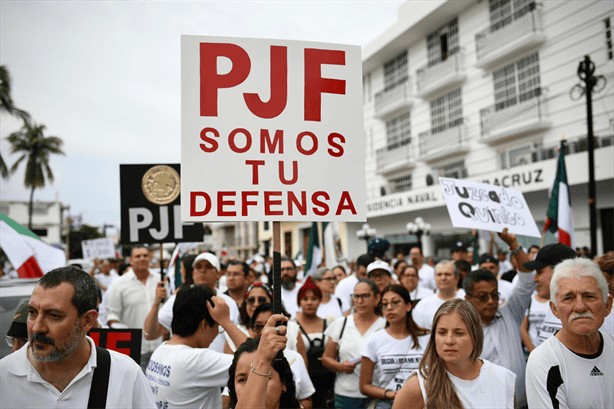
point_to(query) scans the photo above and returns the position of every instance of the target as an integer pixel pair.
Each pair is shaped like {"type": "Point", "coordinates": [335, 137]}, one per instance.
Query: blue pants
{"type": "Point", "coordinates": [345, 402]}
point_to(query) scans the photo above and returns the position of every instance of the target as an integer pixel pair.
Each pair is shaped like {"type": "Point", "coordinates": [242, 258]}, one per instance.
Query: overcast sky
{"type": "Point", "coordinates": [105, 77]}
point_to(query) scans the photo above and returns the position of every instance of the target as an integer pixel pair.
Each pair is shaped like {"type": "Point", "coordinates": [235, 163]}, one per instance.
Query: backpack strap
{"type": "Point", "coordinates": [100, 380]}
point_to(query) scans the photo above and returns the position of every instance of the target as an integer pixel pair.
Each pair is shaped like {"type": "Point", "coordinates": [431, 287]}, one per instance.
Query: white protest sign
{"type": "Point", "coordinates": [271, 129]}
{"type": "Point", "coordinates": [482, 206]}
{"type": "Point", "coordinates": [98, 248]}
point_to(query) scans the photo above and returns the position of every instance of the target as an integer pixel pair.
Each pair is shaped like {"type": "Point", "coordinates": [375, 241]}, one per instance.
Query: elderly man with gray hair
{"type": "Point", "coordinates": [446, 280]}
{"type": "Point", "coordinates": [575, 367]}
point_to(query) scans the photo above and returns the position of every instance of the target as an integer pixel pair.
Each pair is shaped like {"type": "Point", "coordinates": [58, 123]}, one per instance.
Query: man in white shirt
{"type": "Point", "coordinates": [426, 272]}
{"type": "Point", "coordinates": [289, 288]}
{"type": "Point", "coordinates": [206, 272]}
{"type": "Point", "coordinates": [184, 372]}
{"type": "Point", "coordinates": [543, 264]}
{"type": "Point", "coordinates": [345, 288]}
{"type": "Point", "coordinates": [446, 279]}
{"type": "Point", "coordinates": [575, 368]}
{"type": "Point", "coordinates": [501, 324]}
{"type": "Point", "coordinates": [131, 297]}
{"type": "Point", "coordinates": [56, 368]}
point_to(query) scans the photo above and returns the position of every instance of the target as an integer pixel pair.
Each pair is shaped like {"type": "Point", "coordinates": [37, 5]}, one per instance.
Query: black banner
{"type": "Point", "coordinates": [151, 206]}
{"type": "Point", "coordinates": [126, 341]}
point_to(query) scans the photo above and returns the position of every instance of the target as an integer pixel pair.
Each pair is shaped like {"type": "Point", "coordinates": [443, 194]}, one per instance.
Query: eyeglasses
{"type": "Point", "coordinates": [484, 297]}
{"type": "Point", "coordinates": [363, 297]}
{"type": "Point", "coordinates": [326, 279]}
{"type": "Point", "coordinates": [394, 304]}
{"type": "Point", "coordinates": [378, 275]}
{"type": "Point", "coordinates": [414, 276]}
{"type": "Point", "coordinates": [11, 340]}
{"type": "Point", "coordinates": [261, 300]}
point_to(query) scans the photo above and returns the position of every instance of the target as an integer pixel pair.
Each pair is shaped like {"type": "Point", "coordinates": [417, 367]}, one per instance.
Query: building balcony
{"type": "Point", "coordinates": [441, 76]}
{"type": "Point", "coordinates": [522, 34]}
{"type": "Point", "coordinates": [522, 118]}
{"type": "Point", "coordinates": [449, 142]}
{"type": "Point", "coordinates": [393, 159]}
{"type": "Point", "coordinates": [394, 100]}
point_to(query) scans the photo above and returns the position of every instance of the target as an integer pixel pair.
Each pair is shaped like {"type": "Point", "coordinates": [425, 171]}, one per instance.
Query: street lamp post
{"type": "Point", "coordinates": [366, 233]}
{"type": "Point", "coordinates": [418, 227]}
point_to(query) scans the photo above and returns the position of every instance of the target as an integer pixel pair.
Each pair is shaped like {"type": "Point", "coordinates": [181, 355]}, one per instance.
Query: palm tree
{"type": "Point", "coordinates": [36, 148]}
{"type": "Point", "coordinates": [6, 105]}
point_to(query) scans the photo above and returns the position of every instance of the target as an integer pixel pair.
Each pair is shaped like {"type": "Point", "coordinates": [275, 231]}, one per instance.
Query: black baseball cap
{"type": "Point", "coordinates": [550, 255]}
{"type": "Point", "coordinates": [487, 258]}
{"type": "Point", "coordinates": [19, 327]}
{"type": "Point", "coordinates": [459, 246]}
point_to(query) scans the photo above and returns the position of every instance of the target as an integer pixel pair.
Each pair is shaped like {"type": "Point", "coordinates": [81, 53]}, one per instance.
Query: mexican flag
{"type": "Point", "coordinates": [560, 219]}
{"type": "Point", "coordinates": [314, 252]}
{"type": "Point", "coordinates": [28, 254]}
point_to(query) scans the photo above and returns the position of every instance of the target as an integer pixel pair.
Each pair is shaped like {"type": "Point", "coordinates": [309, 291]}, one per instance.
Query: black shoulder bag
{"type": "Point", "coordinates": [100, 380]}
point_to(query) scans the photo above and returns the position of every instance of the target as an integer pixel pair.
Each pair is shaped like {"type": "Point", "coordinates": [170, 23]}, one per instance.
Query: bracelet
{"type": "Point", "coordinates": [385, 392]}
{"type": "Point", "coordinates": [518, 250]}
{"type": "Point", "coordinates": [258, 373]}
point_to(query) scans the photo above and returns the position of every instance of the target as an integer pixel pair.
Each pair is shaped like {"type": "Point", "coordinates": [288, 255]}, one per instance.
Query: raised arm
{"type": "Point", "coordinates": [152, 328]}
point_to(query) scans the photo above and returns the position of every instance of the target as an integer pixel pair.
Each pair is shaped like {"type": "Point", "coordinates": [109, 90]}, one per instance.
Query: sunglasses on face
{"type": "Point", "coordinates": [484, 297]}
{"type": "Point", "coordinates": [261, 300]}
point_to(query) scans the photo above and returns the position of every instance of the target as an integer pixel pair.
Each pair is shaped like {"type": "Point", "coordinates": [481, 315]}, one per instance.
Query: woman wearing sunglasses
{"type": "Point", "coordinates": [258, 294]}
{"type": "Point", "coordinates": [347, 336]}
{"type": "Point", "coordinates": [395, 351]}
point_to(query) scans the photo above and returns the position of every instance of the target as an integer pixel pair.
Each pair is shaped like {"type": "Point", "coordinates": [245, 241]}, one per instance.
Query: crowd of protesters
{"type": "Point", "coordinates": [377, 333]}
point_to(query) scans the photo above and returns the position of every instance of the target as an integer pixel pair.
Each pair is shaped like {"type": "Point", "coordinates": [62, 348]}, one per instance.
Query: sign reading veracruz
{"type": "Point", "coordinates": [271, 129]}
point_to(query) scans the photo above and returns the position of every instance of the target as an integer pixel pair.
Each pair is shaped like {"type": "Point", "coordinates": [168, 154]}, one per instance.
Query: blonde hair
{"type": "Point", "coordinates": [440, 391]}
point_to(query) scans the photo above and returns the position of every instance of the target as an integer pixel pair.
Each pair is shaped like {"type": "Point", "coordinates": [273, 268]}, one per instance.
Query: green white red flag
{"type": "Point", "coordinates": [314, 251]}
{"type": "Point", "coordinates": [560, 218]}
{"type": "Point", "coordinates": [28, 254]}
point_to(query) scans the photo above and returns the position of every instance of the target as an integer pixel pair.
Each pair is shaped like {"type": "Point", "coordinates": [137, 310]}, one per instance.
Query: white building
{"type": "Point", "coordinates": [46, 218]}
{"type": "Point", "coordinates": [481, 90]}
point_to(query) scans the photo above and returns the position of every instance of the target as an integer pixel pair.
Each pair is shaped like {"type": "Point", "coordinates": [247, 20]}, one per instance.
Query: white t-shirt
{"type": "Point", "coordinates": [349, 347]}
{"type": "Point", "coordinates": [395, 359]}
{"type": "Point", "coordinates": [184, 377]}
{"type": "Point", "coordinates": [420, 293]}
{"type": "Point", "coordinates": [165, 318]}
{"type": "Point", "coordinates": [130, 302]}
{"type": "Point", "coordinates": [556, 375]}
{"type": "Point", "coordinates": [289, 299]}
{"type": "Point", "coordinates": [106, 280]}
{"type": "Point", "coordinates": [505, 289]}
{"type": "Point", "coordinates": [304, 386]}
{"type": "Point", "coordinates": [331, 309]}
{"type": "Point", "coordinates": [345, 288]}
{"type": "Point", "coordinates": [22, 387]}
{"type": "Point", "coordinates": [492, 389]}
{"type": "Point", "coordinates": [427, 277]}
{"type": "Point", "coordinates": [536, 313]}
{"type": "Point", "coordinates": [426, 309]}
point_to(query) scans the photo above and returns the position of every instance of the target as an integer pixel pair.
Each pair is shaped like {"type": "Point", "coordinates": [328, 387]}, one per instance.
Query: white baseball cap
{"type": "Point", "coordinates": [211, 258]}
{"type": "Point", "coordinates": [379, 265]}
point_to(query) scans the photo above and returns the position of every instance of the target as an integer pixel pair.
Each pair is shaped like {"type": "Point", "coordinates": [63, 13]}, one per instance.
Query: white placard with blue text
{"type": "Point", "coordinates": [481, 206]}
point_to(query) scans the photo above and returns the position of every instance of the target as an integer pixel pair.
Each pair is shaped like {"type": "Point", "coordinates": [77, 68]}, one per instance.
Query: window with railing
{"type": "Point", "coordinates": [446, 112]}
{"type": "Point", "coordinates": [517, 82]}
{"type": "Point", "coordinates": [503, 12]}
{"type": "Point", "coordinates": [442, 43]}
{"type": "Point", "coordinates": [456, 170]}
{"type": "Point", "coordinates": [401, 184]}
{"type": "Point", "coordinates": [395, 71]}
{"type": "Point", "coordinates": [398, 132]}
{"type": "Point", "coordinates": [40, 209]}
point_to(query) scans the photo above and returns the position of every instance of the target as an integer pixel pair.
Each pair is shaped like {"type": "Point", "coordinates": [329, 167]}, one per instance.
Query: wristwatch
{"type": "Point", "coordinates": [518, 250]}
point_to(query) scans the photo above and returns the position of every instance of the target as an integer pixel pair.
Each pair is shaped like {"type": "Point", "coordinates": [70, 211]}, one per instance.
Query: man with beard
{"type": "Point", "coordinates": [56, 368]}
{"type": "Point", "coordinates": [289, 289]}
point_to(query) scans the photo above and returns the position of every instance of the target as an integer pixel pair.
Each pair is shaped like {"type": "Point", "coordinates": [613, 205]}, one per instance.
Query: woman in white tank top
{"type": "Point", "coordinates": [450, 374]}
